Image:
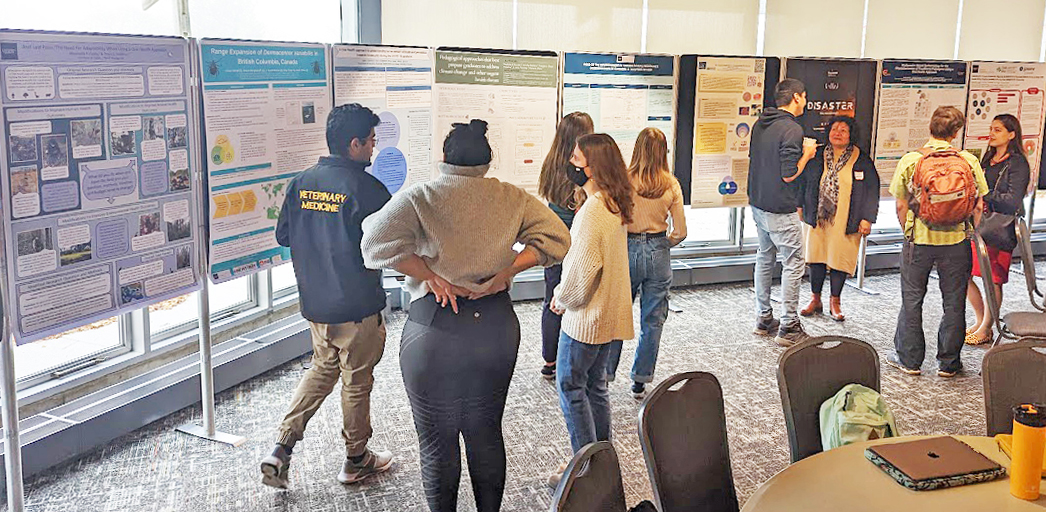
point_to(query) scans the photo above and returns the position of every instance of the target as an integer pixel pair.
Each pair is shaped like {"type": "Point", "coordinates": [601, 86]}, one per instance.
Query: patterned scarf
{"type": "Point", "coordinates": [829, 201]}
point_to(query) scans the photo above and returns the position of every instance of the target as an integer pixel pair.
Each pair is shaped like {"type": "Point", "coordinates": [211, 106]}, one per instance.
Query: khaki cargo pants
{"type": "Point", "coordinates": [351, 351]}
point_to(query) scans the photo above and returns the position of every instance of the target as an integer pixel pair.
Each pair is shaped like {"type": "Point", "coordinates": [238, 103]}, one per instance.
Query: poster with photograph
{"type": "Point", "coordinates": [623, 93]}
{"type": "Point", "coordinates": [836, 88]}
{"type": "Point", "coordinates": [265, 116]}
{"type": "Point", "coordinates": [99, 201]}
{"type": "Point", "coordinates": [1015, 88]}
{"type": "Point", "coordinates": [728, 98]}
{"type": "Point", "coordinates": [396, 83]}
{"type": "Point", "coordinates": [515, 92]}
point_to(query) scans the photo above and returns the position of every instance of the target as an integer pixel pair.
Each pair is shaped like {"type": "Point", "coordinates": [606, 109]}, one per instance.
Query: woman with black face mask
{"type": "Point", "coordinates": [559, 183]}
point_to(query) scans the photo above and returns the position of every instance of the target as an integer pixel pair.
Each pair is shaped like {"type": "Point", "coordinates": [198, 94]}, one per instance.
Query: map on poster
{"type": "Point", "coordinates": [516, 93]}
{"type": "Point", "coordinates": [101, 217]}
{"type": "Point", "coordinates": [909, 92]}
{"type": "Point", "coordinates": [396, 83]}
{"type": "Point", "coordinates": [728, 100]}
{"type": "Point", "coordinates": [624, 93]}
{"type": "Point", "coordinates": [265, 115]}
{"type": "Point", "coordinates": [1006, 88]}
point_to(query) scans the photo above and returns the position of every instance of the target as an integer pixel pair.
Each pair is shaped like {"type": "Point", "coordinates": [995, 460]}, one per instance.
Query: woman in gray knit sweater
{"type": "Point", "coordinates": [453, 237]}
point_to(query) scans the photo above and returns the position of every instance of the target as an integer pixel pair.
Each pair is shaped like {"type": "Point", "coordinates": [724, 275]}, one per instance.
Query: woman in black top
{"type": "Point", "coordinates": [1007, 172]}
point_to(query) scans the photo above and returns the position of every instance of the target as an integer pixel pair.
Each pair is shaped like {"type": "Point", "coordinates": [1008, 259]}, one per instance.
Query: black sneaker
{"type": "Point", "coordinates": [766, 325]}
{"type": "Point", "coordinates": [895, 361]}
{"type": "Point", "coordinates": [789, 335]}
{"type": "Point", "coordinates": [638, 390]}
{"type": "Point", "coordinates": [548, 371]}
{"type": "Point", "coordinates": [275, 468]}
{"type": "Point", "coordinates": [372, 464]}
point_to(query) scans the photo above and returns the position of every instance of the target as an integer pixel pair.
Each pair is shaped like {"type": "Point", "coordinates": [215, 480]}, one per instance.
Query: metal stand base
{"type": "Point", "coordinates": [221, 437]}
{"type": "Point", "coordinates": [673, 307]}
{"type": "Point", "coordinates": [852, 283]}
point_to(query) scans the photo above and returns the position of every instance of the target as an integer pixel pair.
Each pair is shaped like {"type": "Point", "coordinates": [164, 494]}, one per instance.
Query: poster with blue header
{"type": "Point", "coordinates": [265, 109]}
{"type": "Point", "coordinates": [624, 93]}
{"type": "Point", "coordinates": [100, 209]}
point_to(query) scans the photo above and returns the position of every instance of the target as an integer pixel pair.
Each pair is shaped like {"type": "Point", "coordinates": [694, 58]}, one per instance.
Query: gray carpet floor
{"type": "Point", "coordinates": [158, 469]}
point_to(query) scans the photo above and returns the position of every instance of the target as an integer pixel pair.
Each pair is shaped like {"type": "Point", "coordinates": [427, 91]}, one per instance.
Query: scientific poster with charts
{"type": "Point", "coordinates": [727, 102]}
{"type": "Point", "coordinates": [909, 92]}
{"type": "Point", "coordinates": [265, 109]}
{"type": "Point", "coordinates": [100, 213]}
{"type": "Point", "coordinates": [396, 83]}
{"type": "Point", "coordinates": [515, 92]}
{"type": "Point", "coordinates": [1006, 88]}
{"type": "Point", "coordinates": [624, 93]}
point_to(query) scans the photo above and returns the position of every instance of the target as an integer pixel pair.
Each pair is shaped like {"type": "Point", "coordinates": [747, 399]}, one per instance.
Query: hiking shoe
{"type": "Point", "coordinates": [275, 468]}
{"type": "Point", "coordinates": [766, 325]}
{"type": "Point", "coordinates": [791, 334]}
{"type": "Point", "coordinates": [947, 374]}
{"type": "Point", "coordinates": [372, 464]}
{"type": "Point", "coordinates": [557, 475]}
{"type": "Point", "coordinates": [548, 371]}
{"type": "Point", "coordinates": [894, 361]}
{"type": "Point", "coordinates": [638, 390]}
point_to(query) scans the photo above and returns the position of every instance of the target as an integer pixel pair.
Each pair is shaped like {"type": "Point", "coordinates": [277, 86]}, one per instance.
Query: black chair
{"type": "Point", "coordinates": [813, 371]}
{"type": "Point", "coordinates": [1028, 265]}
{"type": "Point", "coordinates": [683, 434]}
{"type": "Point", "coordinates": [1013, 374]}
{"type": "Point", "coordinates": [592, 481]}
{"type": "Point", "coordinates": [1015, 325]}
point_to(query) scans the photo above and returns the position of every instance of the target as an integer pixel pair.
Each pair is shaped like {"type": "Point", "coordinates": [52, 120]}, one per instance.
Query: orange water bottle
{"type": "Point", "coordinates": [1029, 441]}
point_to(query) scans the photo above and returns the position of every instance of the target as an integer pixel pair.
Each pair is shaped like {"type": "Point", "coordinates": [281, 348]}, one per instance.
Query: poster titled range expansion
{"type": "Point", "coordinates": [97, 177]}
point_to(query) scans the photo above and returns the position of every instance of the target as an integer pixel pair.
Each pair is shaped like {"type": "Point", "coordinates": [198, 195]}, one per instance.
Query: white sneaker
{"type": "Point", "coordinates": [372, 464]}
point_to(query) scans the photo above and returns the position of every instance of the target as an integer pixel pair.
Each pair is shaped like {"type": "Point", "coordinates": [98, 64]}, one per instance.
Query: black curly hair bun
{"type": "Point", "coordinates": [467, 144]}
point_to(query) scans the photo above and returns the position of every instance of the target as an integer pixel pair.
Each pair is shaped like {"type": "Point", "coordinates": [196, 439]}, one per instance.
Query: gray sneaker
{"type": "Point", "coordinates": [789, 335]}
{"type": "Point", "coordinates": [766, 325]}
{"type": "Point", "coordinates": [895, 361]}
{"type": "Point", "coordinates": [275, 468]}
{"type": "Point", "coordinates": [372, 464]}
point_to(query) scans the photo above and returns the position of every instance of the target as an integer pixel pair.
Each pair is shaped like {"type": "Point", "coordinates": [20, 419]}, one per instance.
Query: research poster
{"type": "Point", "coordinates": [265, 109]}
{"type": "Point", "coordinates": [396, 83]}
{"type": "Point", "coordinates": [727, 101]}
{"type": "Point", "coordinates": [1006, 88]}
{"type": "Point", "coordinates": [836, 87]}
{"type": "Point", "coordinates": [909, 92]}
{"type": "Point", "coordinates": [515, 92]}
{"type": "Point", "coordinates": [623, 93]}
{"type": "Point", "coordinates": [100, 213]}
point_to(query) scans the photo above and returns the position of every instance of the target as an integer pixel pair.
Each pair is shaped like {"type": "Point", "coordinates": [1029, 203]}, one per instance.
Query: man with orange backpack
{"type": "Point", "coordinates": [939, 193]}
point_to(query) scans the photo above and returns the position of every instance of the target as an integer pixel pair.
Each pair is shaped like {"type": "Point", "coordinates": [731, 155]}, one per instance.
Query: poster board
{"type": "Point", "coordinates": [909, 92]}
{"type": "Point", "coordinates": [99, 182]}
{"type": "Point", "coordinates": [1007, 88]}
{"type": "Point", "coordinates": [515, 92]}
{"type": "Point", "coordinates": [623, 93]}
{"type": "Point", "coordinates": [836, 87]}
{"type": "Point", "coordinates": [265, 109]}
{"type": "Point", "coordinates": [396, 83]}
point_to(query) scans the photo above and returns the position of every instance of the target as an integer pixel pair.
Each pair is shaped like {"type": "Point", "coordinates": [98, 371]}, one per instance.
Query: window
{"type": "Point", "coordinates": [580, 25]}
{"type": "Point", "coordinates": [313, 21]}
{"type": "Point", "coordinates": [981, 38]}
{"type": "Point", "coordinates": [69, 348]}
{"type": "Point", "coordinates": [705, 225]}
{"type": "Point", "coordinates": [473, 23]}
{"type": "Point", "coordinates": [710, 27]}
{"type": "Point", "coordinates": [283, 280]}
{"type": "Point", "coordinates": [182, 313]}
{"type": "Point", "coordinates": [911, 30]}
{"type": "Point", "coordinates": [100, 16]}
{"type": "Point", "coordinates": [826, 28]}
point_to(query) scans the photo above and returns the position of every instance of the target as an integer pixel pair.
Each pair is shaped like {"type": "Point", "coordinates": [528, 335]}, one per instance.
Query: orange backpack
{"type": "Point", "coordinates": [943, 191]}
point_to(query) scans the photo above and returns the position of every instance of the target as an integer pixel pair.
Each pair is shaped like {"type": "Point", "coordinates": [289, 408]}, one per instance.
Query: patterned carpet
{"type": "Point", "coordinates": [158, 469]}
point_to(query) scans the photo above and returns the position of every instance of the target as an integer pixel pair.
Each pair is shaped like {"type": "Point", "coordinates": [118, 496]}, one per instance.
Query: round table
{"type": "Point", "coordinates": [842, 479]}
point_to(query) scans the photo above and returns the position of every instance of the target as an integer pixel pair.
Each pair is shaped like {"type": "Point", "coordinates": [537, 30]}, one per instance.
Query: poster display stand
{"type": "Point", "coordinates": [515, 92]}
{"type": "Point", "coordinates": [9, 413]}
{"type": "Point", "coordinates": [265, 107]}
{"type": "Point", "coordinates": [396, 83]}
{"type": "Point", "coordinates": [623, 93]}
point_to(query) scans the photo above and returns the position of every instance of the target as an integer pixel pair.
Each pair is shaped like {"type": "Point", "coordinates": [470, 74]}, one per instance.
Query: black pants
{"type": "Point", "coordinates": [954, 263]}
{"type": "Point", "coordinates": [817, 275]}
{"type": "Point", "coordinates": [457, 369]}
{"type": "Point", "coordinates": [550, 322]}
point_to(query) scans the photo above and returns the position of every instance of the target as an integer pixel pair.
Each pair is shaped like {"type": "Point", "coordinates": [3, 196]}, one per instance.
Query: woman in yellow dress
{"type": "Point", "coordinates": [840, 201]}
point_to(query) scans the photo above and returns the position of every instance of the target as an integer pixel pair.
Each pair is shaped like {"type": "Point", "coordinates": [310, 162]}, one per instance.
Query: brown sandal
{"type": "Point", "coordinates": [972, 339]}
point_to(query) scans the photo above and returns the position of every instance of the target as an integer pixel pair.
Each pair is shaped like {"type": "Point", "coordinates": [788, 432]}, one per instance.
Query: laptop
{"type": "Point", "coordinates": [933, 463]}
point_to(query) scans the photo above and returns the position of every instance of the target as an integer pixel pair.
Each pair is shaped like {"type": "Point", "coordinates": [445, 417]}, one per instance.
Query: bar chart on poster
{"type": "Point", "coordinates": [516, 93]}
{"type": "Point", "coordinates": [265, 110]}
{"type": "Point", "coordinates": [623, 93]}
{"type": "Point", "coordinates": [395, 83]}
{"type": "Point", "coordinates": [101, 215]}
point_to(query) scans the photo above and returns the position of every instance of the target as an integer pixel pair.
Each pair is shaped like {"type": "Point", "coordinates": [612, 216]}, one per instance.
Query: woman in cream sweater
{"type": "Point", "coordinates": [594, 295]}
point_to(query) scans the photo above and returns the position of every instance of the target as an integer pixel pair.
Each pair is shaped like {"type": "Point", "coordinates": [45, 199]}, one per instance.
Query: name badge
{"type": "Point", "coordinates": [859, 175]}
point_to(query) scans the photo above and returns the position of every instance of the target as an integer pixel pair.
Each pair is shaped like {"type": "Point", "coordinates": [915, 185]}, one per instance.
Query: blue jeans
{"type": "Point", "coordinates": [650, 267]}
{"type": "Point", "coordinates": [581, 378]}
{"type": "Point", "coordinates": [778, 232]}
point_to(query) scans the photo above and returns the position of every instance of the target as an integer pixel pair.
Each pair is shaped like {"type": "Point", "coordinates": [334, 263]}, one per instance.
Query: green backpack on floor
{"type": "Point", "coordinates": [855, 414]}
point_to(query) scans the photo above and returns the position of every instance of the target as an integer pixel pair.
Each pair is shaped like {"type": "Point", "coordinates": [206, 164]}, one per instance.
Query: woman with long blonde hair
{"type": "Point", "coordinates": [558, 185]}
{"type": "Point", "coordinates": [593, 296]}
{"type": "Point", "coordinates": [658, 200]}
